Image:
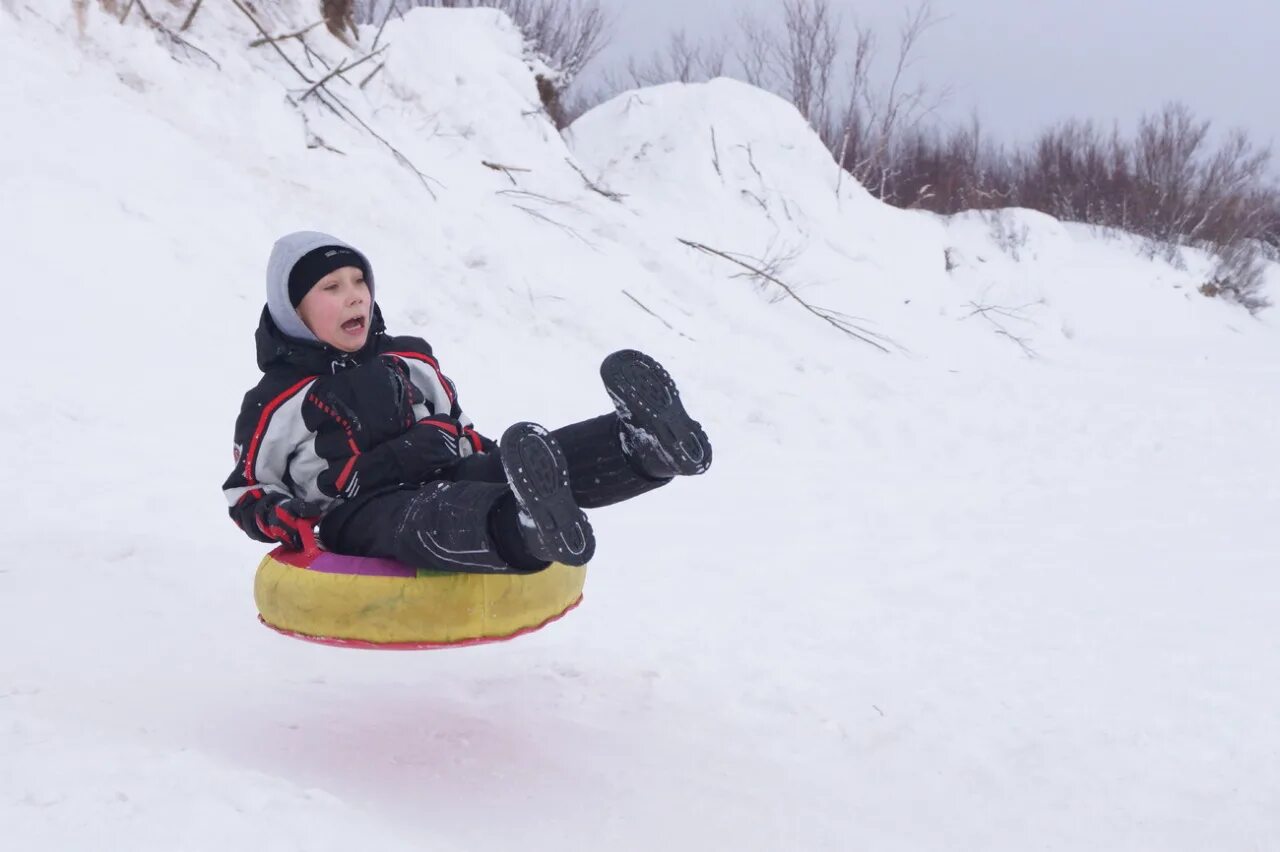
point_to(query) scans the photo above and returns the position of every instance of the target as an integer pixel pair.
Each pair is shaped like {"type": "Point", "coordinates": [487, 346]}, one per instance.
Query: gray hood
{"type": "Point", "coordinates": [287, 251]}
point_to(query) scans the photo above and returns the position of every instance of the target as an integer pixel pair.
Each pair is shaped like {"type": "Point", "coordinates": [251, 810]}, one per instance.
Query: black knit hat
{"type": "Point", "coordinates": [318, 263]}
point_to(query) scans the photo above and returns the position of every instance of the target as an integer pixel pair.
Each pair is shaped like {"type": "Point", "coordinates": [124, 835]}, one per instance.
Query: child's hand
{"type": "Point", "coordinates": [438, 441]}
{"type": "Point", "coordinates": [284, 520]}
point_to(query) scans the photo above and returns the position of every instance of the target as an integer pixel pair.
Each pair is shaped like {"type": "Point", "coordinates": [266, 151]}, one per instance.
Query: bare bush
{"type": "Point", "coordinates": [948, 172]}
{"type": "Point", "coordinates": [683, 61]}
{"type": "Point", "coordinates": [1238, 275]}
{"type": "Point", "coordinates": [1008, 235]}
{"type": "Point", "coordinates": [1168, 183]}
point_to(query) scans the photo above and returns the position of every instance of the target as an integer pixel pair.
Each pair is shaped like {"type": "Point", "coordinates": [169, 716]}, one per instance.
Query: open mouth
{"type": "Point", "coordinates": [355, 325]}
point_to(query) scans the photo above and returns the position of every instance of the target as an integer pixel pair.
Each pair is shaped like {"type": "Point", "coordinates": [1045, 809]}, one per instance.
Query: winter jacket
{"type": "Point", "coordinates": [334, 427]}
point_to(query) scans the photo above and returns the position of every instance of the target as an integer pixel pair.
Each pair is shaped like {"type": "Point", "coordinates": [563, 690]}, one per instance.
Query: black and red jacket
{"type": "Point", "coordinates": [331, 427]}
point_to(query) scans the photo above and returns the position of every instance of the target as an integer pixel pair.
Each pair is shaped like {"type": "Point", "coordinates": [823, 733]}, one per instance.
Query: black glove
{"type": "Point", "coordinates": [434, 443]}
{"type": "Point", "coordinates": [288, 520]}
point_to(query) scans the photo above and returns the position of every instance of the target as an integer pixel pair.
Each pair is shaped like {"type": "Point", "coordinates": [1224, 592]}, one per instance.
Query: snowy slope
{"type": "Point", "coordinates": [949, 596]}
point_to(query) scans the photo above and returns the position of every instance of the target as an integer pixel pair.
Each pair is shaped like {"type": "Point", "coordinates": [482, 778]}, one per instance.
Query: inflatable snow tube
{"type": "Point", "coordinates": [360, 602]}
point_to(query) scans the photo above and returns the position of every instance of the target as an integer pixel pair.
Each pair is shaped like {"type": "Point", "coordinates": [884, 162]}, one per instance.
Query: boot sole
{"type": "Point", "coordinates": [647, 398]}
{"type": "Point", "coordinates": [539, 477]}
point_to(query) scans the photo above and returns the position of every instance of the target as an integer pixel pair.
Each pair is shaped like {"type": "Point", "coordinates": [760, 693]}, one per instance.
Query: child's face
{"type": "Point", "coordinates": [337, 309]}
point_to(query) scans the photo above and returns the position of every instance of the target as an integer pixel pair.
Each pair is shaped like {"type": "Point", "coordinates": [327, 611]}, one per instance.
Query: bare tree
{"type": "Point", "coordinates": [807, 57]}
{"type": "Point", "coordinates": [755, 55]}
{"type": "Point", "coordinates": [684, 61]}
{"type": "Point", "coordinates": [796, 61]}
{"type": "Point", "coordinates": [877, 119]}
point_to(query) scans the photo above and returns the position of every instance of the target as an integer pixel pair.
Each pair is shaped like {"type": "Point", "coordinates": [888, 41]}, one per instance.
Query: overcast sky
{"type": "Point", "coordinates": [1023, 64]}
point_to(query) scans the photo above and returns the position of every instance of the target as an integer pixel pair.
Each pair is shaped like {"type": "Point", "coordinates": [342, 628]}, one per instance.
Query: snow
{"type": "Point", "coordinates": [948, 596]}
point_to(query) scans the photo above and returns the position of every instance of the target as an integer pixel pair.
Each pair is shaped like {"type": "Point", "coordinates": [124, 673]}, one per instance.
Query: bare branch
{"type": "Point", "coordinates": [985, 311]}
{"type": "Point", "coordinates": [339, 70]}
{"type": "Point", "coordinates": [568, 230]}
{"type": "Point", "coordinates": [336, 105]}
{"type": "Point", "coordinates": [168, 33]}
{"type": "Point", "coordinates": [536, 196]}
{"type": "Point", "coordinates": [826, 316]}
{"type": "Point", "coordinates": [372, 74]}
{"type": "Point", "coordinates": [270, 39]}
{"type": "Point", "coordinates": [506, 170]}
{"type": "Point", "coordinates": [645, 308]}
{"type": "Point", "coordinates": [393, 6]}
{"type": "Point", "coordinates": [593, 186]}
{"type": "Point", "coordinates": [191, 16]}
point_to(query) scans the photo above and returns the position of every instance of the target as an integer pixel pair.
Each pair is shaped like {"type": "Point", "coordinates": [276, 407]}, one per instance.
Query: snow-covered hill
{"type": "Point", "coordinates": [1010, 582]}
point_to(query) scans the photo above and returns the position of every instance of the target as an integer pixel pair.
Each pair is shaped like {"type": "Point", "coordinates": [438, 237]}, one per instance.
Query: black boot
{"type": "Point", "coordinates": [553, 526]}
{"type": "Point", "coordinates": [657, 434]}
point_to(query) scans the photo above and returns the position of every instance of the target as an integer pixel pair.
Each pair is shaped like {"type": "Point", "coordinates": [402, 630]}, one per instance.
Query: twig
{"type": "Point", "coordinates": [338, 102]}
{"type": "Point", "coordinates": [392, 6]}
{"type": "Point", "coordinates": [501, 168]}
{"type": "Point", "coordinates": [757, 199]}
{"type": "Point", "coordinates": [174, 37]}
{"type": "Point", "coordinates": [506, 170]}
{"type": "Point", "coordinates": [314, 140]}
{"type": "Point", "coordinates": [846, 317]}
{"type": "Point", "coordinates": [1011, 313]}
{"type": "Point", "coordinates": [537, 196]}
{"type": "Point", "coordinates": [341, 68]}
{"type": "Point", "coordinates": [715, 152]}
{"type": "Point", "coordinates": [1022, 343]}
{"type": "Point", "coordinates": [854, 332]}
{"type": "Point", "coordinates": [372, 74]}
{"type": "Point", "coordinates": [127, 10]}
{"type": "Point", "coordinates": [751, 159]}
{"type": "Point", "coordinates": [593, 186]}
{"type": "Point", "coordinates": [312, 56]}
{"type": "Point", "coordinates": [317, 142]}
{"type": "Point", "coordinates": [772, 263]}
{"type": "Point", "coordinates": [267, 38]}
{"type": "Point", "coordinates": [644, 308]}
{"type": "Point", "coordinates": [270, 39]}
{"type": "Point", "coordinates": [786, 208]}
{"type": "Point", "coordinates": [985, 312]}
{"type": "Point", "coordinates": [191, 16]}
{"type": "Point", "coordinates": [423, 178]}
{"type": "Point", "coordinates": [535, 214]}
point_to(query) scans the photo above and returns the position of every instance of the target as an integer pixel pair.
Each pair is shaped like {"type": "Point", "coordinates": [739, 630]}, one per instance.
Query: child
{"type": "Point", "coordinates": [362, 431]}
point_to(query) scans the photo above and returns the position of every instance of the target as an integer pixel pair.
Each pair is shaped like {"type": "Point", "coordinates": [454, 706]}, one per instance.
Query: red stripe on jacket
{"type": "Point", "coordinates": [440, 423]}
{"type": "Point", "coordinates": [341, 484]}
{"type": "Point", "coordinates": [427, 359]}
{"type": "Point", "coordinates": [261, 430]}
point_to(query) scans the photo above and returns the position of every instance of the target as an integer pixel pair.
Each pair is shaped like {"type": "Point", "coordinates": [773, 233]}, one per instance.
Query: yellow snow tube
{"type": "Point", "coordinates": [361, 602]}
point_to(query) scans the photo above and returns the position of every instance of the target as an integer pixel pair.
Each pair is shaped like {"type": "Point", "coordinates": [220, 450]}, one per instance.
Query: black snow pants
{"type": "Point", "coordinates": [468, 523]}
